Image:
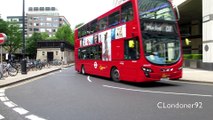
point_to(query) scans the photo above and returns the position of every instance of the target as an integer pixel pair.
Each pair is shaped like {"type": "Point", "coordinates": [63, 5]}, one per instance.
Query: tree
{"type": "Point", "coordinates": [31, 44]}
{"type": "Point", "coordinates": [3, 26]}
{"type": "Point", "coordinates": [65, 33]}
{"type": "Point", "coordinates": [14, 39]}
{"type": "Point", "coordinates": [44, 35]}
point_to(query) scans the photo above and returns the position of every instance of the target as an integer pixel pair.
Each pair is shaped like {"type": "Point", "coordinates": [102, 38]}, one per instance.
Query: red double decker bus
{"type": "Point", "coordinates": [137, 41]}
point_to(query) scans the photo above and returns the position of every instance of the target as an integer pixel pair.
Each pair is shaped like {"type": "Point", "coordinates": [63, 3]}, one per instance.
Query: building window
{"type": "Point", "coordinates": [49, 19]}
{"type": "Point", "coordinates": [56, 53]}
{"type": "Point", "coordinates": [36, 29]}
{"type": "Point", "coordinates": [47, 8]}
{"type": "Point", "coordinates": [43, 53]}
{"type": "Point", "coordinates": [35, 18]}
{"type": "Point", "coordinates": [35, 8]}
{"type": "Point", "coordinates": [42, 30]}
{"type": "Point", "coordinates": [48, 24]}
{"type": "Point", "coordinates": [41, 8]}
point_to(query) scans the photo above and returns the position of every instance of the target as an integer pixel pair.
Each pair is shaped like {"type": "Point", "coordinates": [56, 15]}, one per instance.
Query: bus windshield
{"type": "Point", "coordinates": [159, 32]}
{"type": "Point", "coordinates": [156, 9]}
{"type": "Point", "coordinates": [161, 49]}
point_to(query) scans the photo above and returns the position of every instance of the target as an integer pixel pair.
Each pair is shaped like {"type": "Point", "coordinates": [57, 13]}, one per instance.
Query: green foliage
{"type": "Point", "coordinates": [196, 56]}
{"type": "Point", "coordinates": [3, 26]}
{"type": "Point", "coordinates": [14, 37]}
{"type": "Point", "coordinates": [65, 33]}
{"type": "Point", "coordinates": [192, 56]}
{"type": "Point", "coordinates": [44, 35]}
{"type": "Point", "coordinates": [31, 44]}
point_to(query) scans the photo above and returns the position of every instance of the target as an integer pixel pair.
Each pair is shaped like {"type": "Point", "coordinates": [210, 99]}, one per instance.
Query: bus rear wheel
{"type": "Point", "coordinates": [115, 75]}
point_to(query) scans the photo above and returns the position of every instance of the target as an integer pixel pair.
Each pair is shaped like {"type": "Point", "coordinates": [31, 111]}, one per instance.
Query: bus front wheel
{"type": "Point", "coordinates": [83, 70]}
{"type": "Point", "coordinates": [115, 75]}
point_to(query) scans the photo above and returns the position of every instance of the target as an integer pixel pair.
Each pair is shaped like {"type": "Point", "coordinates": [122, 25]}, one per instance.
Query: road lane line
{"type": "Point", "coordinates": [1, 117]}
{"type": "Point", "coordinates": [34, 117]}
{"type": "Point", "coordinates": [20, 110]}
{"type": "Point", "coordinates": [2, 94]}
{"type": "Point", "coordinates": [2, 90]}
{"type": "Point", "coordinates": [10, 104]}
{"type": "Point", "coordinates": [158, 92]}
{"type": "Point", "coordinates": [88, 78]}
{"type": "Point", "coordinates": [3, 99]}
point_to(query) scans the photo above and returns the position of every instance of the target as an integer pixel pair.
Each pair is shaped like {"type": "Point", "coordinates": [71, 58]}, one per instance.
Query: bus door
{"type": "Point", "coordinates": [131, 57]}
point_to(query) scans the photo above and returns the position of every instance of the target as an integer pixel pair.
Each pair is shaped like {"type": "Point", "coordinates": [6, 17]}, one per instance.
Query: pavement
{"type": "Point", "coordinates": [197, 75]}
{"type": "Point", "coordinates": [192, 75]}
{"type": "Point", "coordinates": [5, 81]}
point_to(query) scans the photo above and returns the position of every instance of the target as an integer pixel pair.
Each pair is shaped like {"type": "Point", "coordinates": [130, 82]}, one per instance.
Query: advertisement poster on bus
{"type": "Point", "coordinates": [106, 45]}
{"type": "Point", "coordinates": [120, 32]}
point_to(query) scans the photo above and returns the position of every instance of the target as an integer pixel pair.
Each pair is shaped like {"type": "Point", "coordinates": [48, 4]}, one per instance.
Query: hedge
{"type": "Point", "coordinates": [192, 56]}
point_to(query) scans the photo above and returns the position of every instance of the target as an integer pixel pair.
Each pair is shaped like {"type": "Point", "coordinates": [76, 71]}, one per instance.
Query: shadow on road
{"type": "Point", "coordinates": [152, 84]}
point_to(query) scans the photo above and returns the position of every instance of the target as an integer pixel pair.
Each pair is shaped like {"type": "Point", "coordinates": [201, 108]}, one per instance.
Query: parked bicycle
{"type": "Point", "coordinates": [8, 69]}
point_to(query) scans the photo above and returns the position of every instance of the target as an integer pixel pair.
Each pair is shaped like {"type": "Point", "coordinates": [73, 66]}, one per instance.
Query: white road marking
{"type": "Point", "coordinates": [2, 94]}
{"type": "Point", "coordinates": [2, 90]}
{"type": "Point", "coordinates": [10, 104]}
{"type": "Point", "coordinates": [21, 111]}
{"type": "Point", "coordinates": [3, 99]}
{"type": "Point", "coordinates": [157, 92]}
{"type": "Point", "coordinates": [88, 78]}
{"type": "Point", "coordinates": [1, 117]}
{"type": "Point", "coordinates": [34, 117]}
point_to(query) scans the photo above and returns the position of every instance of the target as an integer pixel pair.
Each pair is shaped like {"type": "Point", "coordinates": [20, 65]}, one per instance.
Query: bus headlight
{"type": "Point", "coordinates": [147, 71]}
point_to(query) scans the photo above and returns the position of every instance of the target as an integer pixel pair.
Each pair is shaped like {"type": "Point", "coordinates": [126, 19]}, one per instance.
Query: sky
{"type": "Point", "coordinates": [75, 11]}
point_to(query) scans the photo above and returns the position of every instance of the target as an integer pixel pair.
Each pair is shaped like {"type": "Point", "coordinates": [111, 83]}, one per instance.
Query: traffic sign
{"type": "Point", "coordinates": [3, 38]}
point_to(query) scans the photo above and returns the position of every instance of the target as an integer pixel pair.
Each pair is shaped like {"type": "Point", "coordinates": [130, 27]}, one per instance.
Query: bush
{"type": "Point", "coordinates": [196, 56]}
{"type": "Point", "coordinates": [192, 56]}
{"type": "Point", "coordinates": [187, 56]}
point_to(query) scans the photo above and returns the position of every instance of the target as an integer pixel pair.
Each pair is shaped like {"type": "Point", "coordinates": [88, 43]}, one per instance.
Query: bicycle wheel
{"type": "Point", "coordinates": [12, 71]}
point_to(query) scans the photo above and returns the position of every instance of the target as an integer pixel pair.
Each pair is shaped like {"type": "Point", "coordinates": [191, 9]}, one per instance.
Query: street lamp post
{"type": "Point", "coordinates": [23, 62]}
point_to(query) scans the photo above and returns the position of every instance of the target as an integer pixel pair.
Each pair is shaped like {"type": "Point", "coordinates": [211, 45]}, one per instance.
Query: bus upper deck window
{"type": "Point", "coordinates": [127, 12]}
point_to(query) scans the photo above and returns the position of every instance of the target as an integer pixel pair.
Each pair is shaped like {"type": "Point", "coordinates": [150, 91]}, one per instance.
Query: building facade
{"type": "Point", "coordinates": [44, 19]}
{"type": "Point", "coordinates": [40, 19]}
{"type": "Point", "coordinates": [52, 50]}
{"type": "Point", "coordinates": [19, 21]}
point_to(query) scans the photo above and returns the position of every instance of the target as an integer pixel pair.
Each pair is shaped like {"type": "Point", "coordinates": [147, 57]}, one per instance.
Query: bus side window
{"type": "Point", "coordinates": [114, 19]}
{"type": "Point", "coordinates": [103, 23]}
{"type": "Point", "coordinates": [127, 12]}
{"type": "Point", "coordinates": [131, 49]}
{"type": "Point", "coordinates": [94, 26]}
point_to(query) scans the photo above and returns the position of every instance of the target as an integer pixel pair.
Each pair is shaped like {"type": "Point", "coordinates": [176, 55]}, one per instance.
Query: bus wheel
{"type": "Point", "coordinates": [115, 75]}
{"type": "Point", "coordinates": [83, 70]}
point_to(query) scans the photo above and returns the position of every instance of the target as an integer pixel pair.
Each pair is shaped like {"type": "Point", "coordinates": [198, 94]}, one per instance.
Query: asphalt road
{"type": "Point", "coordinates": [67, 95]}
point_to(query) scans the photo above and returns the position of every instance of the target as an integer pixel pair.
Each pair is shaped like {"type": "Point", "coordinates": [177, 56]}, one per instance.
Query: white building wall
{"type": "Point", "coordinates": [207, 31]}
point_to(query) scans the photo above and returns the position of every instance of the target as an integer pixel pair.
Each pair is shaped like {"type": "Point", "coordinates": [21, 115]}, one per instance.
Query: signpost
{"type": "Point", "coordinates": [3, 38]}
